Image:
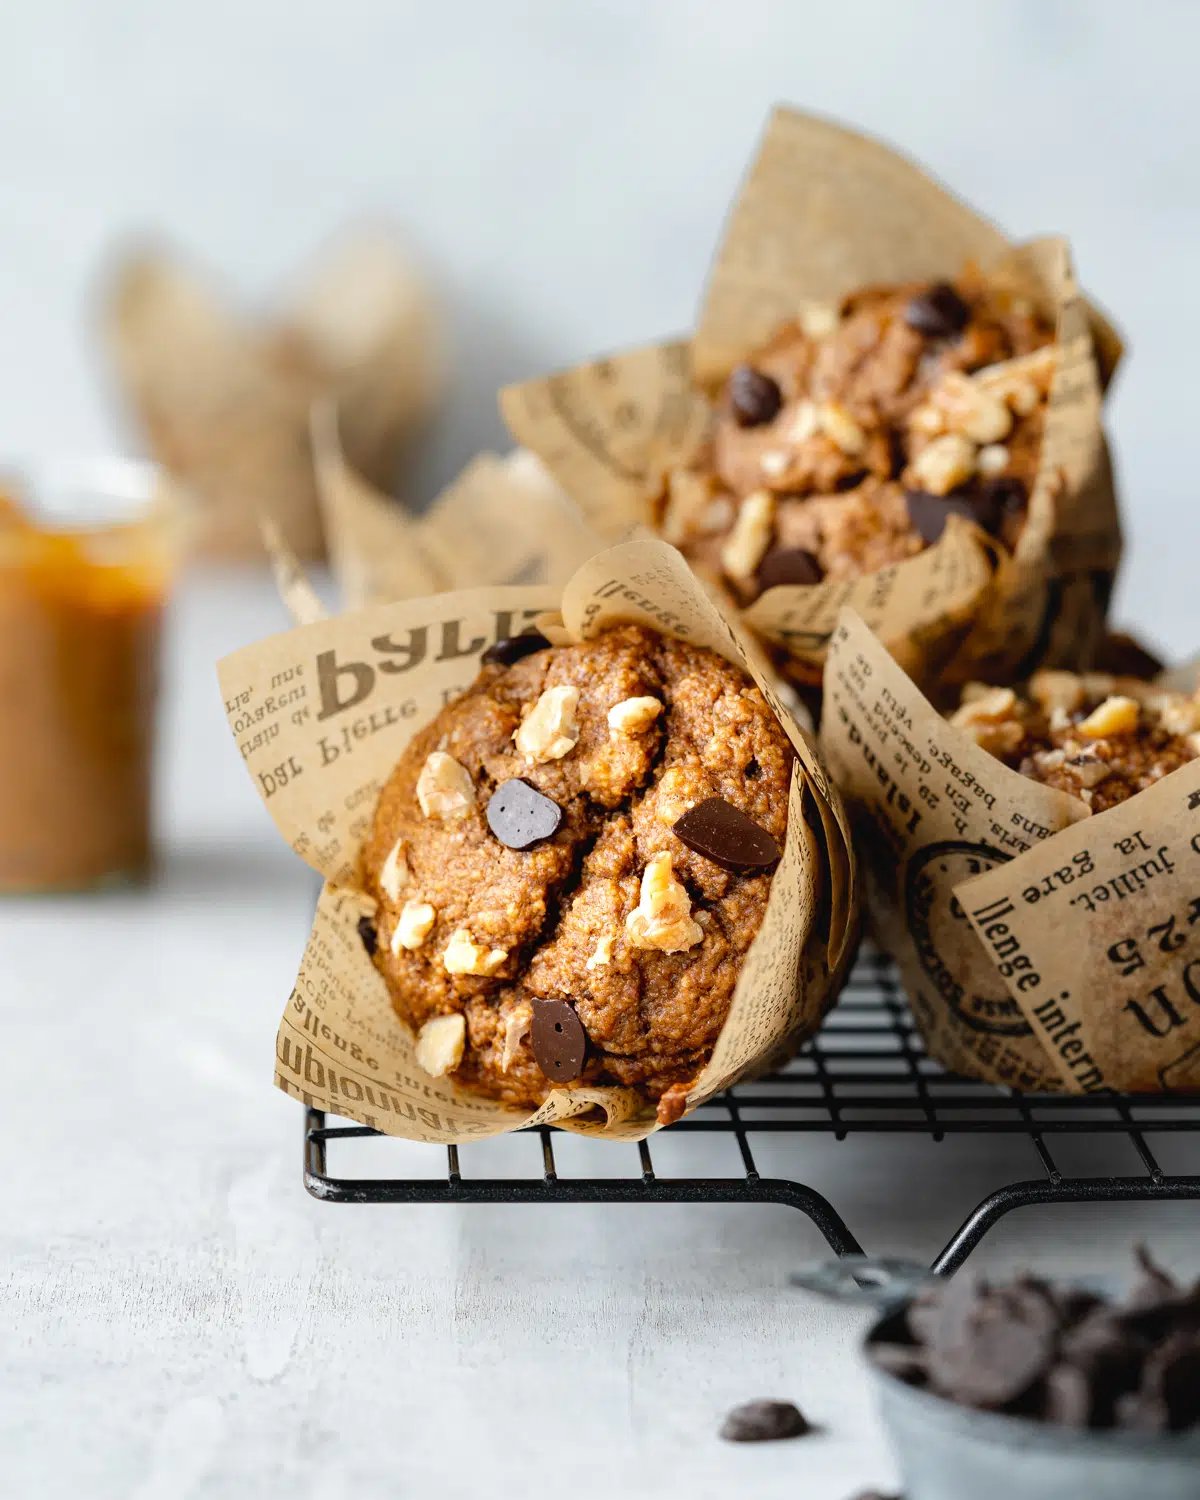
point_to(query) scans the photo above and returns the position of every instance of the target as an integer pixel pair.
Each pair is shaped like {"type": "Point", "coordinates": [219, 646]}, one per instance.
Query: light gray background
{"type": "Point", "coordinates": [563, 168]}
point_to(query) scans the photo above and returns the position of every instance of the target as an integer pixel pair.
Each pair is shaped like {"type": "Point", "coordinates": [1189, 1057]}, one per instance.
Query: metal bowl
{"type": "Point", "coordinates": [950, 1452]}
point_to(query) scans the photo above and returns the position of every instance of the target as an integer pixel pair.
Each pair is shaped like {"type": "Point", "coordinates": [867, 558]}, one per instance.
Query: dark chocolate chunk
{"type": "Point", "coordinates": [938, 312]}
{"type": "Point", "coordinates": [521, 816]}
{"type": "Point", "coordinates": [784, 565]}
{"type": "Point", "coordinates": [722, 833]}
{"type": "Point", "coordinates": [558, 1039]}
{"type": "Point", "coordinates": [929, 513]}
{"type": "Point", "coordinates": [997, 499]}
{"type": "Point", "coordinates": [370, 938]}
{"type": "Point", "coordinates": [513, 648]}
{"type": "Point", "coordinates": [1154, 1287]}
{"type": "Point", "coordinates": [999, 1359]}
{"type": "Point", "coordinates": [764, 1422]}
{"type": "Point", "coordinates": [754, 398]}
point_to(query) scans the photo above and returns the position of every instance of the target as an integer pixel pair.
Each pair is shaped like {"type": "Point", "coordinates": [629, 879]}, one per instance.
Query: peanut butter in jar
{"type": "Point", "coordinates": [82, 590]}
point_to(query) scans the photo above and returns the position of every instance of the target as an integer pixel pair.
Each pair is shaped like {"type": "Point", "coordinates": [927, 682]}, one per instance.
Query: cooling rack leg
{"type": "Point", "coordinates": [814, 1207]}
{"type": "Point", "coordinates": [1061, 1190]}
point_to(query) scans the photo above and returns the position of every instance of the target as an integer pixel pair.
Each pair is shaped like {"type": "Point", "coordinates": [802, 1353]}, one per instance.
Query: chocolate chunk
{"type": "Point", "coordinates": [1068, 1397]}
{"type": "Point", "coordinates": [1154, 1287]}
{"type": "Point", "coordinates": [722, 833]}
{"type": "Point", "coordinates": [938, 312]}
{"type": "Point", "coordinates": [521, 816]}
{"type": "Point", "coordinates": [764, 1422]}
{"type": "Point", "coordinates": [513, 648]}
{"type": "Point", "coordinates": [558, 1039]}
{"type": "Point", "coordinates": [784, 565]}
{"type": "Point", "coordinates": [999, 1359]}
{"type": "Point", "coordinates": [929, 513]}
{"type": "Point", "coordinates": [754, 398]}
{"type": "Point", "coordinates": [370, 938]}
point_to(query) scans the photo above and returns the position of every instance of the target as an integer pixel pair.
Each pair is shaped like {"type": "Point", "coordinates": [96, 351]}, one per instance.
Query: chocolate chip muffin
{"type": "Point", "coordinates": [571, 861]}
{"type": "Point", "coordinates": [845, 443]}
{"type": "Point", "coordinates": [1099, 737]}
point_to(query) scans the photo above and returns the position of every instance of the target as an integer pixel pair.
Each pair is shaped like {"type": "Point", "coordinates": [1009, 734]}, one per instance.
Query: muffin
{"type": "Point", "coordinates": [843, 444]}
{"type": "Point", "coordinates": [1100, 738]}
{"type": "Point", "coordinates": [571, 861]}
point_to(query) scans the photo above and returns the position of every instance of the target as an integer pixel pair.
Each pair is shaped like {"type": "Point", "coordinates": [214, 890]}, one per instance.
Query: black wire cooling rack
{"type": "Point", "coordinates": [866, 1072]}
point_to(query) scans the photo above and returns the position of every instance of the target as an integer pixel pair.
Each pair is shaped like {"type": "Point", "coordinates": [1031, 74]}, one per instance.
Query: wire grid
{"type": "Point", "coordinates": [865, 1072]}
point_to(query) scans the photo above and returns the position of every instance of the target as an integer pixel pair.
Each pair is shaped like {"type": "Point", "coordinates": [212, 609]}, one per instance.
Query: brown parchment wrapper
{"type": "Point", "coordinates": [503, 520]}
{"type": "Point", "coordinates": [224, 401]}
{"type": "Point", "coordinates": [322, 713]}
{"type": "Point", "coordinates": [1041, 948]}
{"type": "Point", "coordinates": [822, 212]}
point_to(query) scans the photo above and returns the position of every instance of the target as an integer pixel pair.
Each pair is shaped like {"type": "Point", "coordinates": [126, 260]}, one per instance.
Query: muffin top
{"type": "Point", "coordinates": [1099, 737]}
{"type": "Point", "coordinates": [544, 915]}
{"type": "Point", "coordinates": [845, 442]}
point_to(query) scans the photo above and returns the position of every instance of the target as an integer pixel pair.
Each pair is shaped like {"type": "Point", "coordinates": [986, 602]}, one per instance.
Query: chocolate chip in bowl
{"type": "Point", "coordinates": [1034, 1388]}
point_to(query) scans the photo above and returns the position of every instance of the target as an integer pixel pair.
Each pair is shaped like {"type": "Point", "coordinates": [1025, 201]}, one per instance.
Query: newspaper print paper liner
{"type": "Point", "coordinates": [503, 520]}
{"type": "Point", "coordinates": [822, 212]}
{"type": "Point", "coordinates": [1042, 948]}
{"type": "Point", "coordinates": [224, 401]}
{"type": "Point", "coordinates": [322, 713]}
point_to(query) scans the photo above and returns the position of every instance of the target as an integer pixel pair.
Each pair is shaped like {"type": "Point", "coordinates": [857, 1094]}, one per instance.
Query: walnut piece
{"type": "Point", "coordinates": [1056, 690]}
{"type": "Point", "coordinates": [1116, 715]}
{"type": "Point", "coordinates": [992, 460]}
{"type": "Point", "coordinates": [988, 716]}
{"type": "Point", "coordinates": [803, 422]}
{"type": "Point", "coordinates": [972, 410]}
{"type": "Point", "coordinates": [1087, 768]}
{"type": "Point", "coordinates": [817, 319]}
{"type": "Point", "coordinates": [516, 1029]}
{"type": "Point", "coordinates": [444, 788]}
{"type": "Point", "coordinates": [415, 925]}
{"type": "Point", "coordinates": [602, 953]}
{"type": "Point", "coordinates": [550, 729]}
{"type": "Point", "coordinates": [464, 955]}
{"type": "Point", "coordinates": [840, 428]}
{"type": "Point", "coordinates": [751, 536]}
{"type": "Point", "coordinates": [947, 462]}
{"type": "Point", "coordinates": [395, 872]}
{"type": "Point", "coordinates": [632, 715]}
{"type": "Point", "coordinates": [440, 1045]}
{"type": "Point", "coordinates": [687, 498]}
{"type": "Point", "coordinates": [663, 917]}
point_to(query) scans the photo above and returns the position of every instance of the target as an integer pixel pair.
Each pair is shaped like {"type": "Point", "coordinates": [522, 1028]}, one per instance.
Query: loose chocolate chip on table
{"type": "Point", "coordinates": [558, 1040]}
{"type": "Point", "coordinates": [938, 313]}
{"type": "Point", "coordinates": [722, 833]}
{"type": "Point", "coordinates": [784, 565]}
{"type": "Point", "coordinates": [521, 816]}
{"type": "Point", "coordinates": [370, 938]}
{"type": "Point", "coordinates": [753, 397]}
{"type": "Point", "coordinates": [504, 653]}
{"type": "Point", "coordinates": [763, 1422]}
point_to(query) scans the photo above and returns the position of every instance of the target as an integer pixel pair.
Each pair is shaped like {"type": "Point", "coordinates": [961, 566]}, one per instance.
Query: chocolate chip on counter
{"type": "Point", "coordinates": [521, 816]}
{"type": "Point", "coordinates": [764, 1422]}
{"type": "Point", "coordinates": [513, 648]}
{"type": "Point", "coordinates": [558, 1040]}
{"type": "Point", "coordinates": [754, 397]}
{"type": "Point", "coordinates": [938, 312]}
{"type": "Point", "coordinates": [784, 565]}
{"type": "Point", "coordinates": [724, 834]}
{"type": "Point", "coordinates": [370, 938]}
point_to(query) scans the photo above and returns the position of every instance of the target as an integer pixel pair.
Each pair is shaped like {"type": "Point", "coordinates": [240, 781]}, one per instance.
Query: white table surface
{"type": "Point", "coordinates": [181, 1320]}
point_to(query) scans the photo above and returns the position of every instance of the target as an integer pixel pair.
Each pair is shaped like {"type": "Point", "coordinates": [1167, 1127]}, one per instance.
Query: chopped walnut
{"type": "Point", "coordinates": [663, 918]}
{"type": "Point", "coordinates": [774, 462]}
{"type": "Point", "coordinates": [395, 872]}
{"type": "Point", "coordinates": [992, 460]}
{"type": "Point", "coordinates": [440, 1045]}
{"type": "Point", "coordinates": [672, 801]}
{"type": "Point", "coordinates": [948, 462]}
{"type": "Point", "coordinates": [928, 419]}
{"type": "Point", "coordinates": [1057, 690]}
{"type": "Point", "coordinates": [1177, 715]}
{"type": "Point", "coordinates": [841, 429]}
{"type": "Point", "coordinates": [988, 718]}
{"type": "Point", "coordinates": [632, 715]}
{"type": "Point", "coordinates": [817, 319]}
{"type": "Point", "coordinates": [516, 1029]}
{"type": "Point", "coordinates": [1087, 768]}
{"type": "Point", "coordinates": [1115, 716]}
{"type": "Point", "coordinates": [972, 410]}
{"type": "Point", "coordinates": [751, 536]}
{"type": "Point", "coordinates": [803, 423]}
{"type": "Point", "coordinates": [414, 926]}
{"type": "Point", "coordinates": [602, 953]}
{"type": "Point", "coordinates": [550, 729]}
{"type": "Point", "coordinates": [444, 788]}
{"type": "Point", "coordinates": [465, 956]}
